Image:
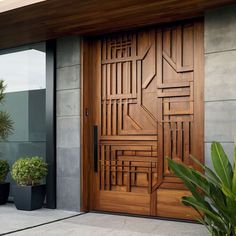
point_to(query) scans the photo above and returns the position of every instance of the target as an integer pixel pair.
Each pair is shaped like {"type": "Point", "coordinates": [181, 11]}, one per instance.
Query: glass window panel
{"type": "Point", "coordinates": [24, 72]}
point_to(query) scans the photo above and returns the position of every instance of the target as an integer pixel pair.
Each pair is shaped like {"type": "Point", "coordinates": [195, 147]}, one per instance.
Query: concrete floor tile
{"type": "Point", "coordinates": [91, 224]}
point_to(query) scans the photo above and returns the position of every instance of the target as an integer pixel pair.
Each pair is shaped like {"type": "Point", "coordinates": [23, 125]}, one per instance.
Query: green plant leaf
{"type": "Point", "coordinates": [4, 169]}
{"type": "Point", "coordinates": [209, 174]}
{"type": "Point", "coordinates": [216, 198]}
{"type": "Point", "coordinates": [228, 193]}
{"type": "Point", "coordinates": [234, 175]}
{"type": "Point", "coordinates": [221, 164]}
{"type": "Point", "coordinates": [213, 228]}
{"type": "Point", "coordinates": [29, 170]}
{"type": "Point", "coordinates": [191, 201]}
{"type": "Point", "coordinates": [189, 175]}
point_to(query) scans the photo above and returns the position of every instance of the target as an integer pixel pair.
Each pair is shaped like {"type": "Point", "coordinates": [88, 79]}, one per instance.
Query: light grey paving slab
{"type": "Point", "coordinates": [220, 76]}
{"type": "Point", "coordinates": [220, 29]}
{"type": "Point", "coordinates": [104, 225]}
{"type": "Point", "coordinates": [12, 219]}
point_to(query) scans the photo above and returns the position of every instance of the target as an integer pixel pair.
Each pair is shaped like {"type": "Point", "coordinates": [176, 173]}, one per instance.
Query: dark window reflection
{"type": "Point", "coordinates": [24, 72]}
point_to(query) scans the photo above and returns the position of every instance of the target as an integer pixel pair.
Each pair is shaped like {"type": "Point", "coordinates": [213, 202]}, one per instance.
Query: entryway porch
{"type": "Point", "coordinates": [60, 223]}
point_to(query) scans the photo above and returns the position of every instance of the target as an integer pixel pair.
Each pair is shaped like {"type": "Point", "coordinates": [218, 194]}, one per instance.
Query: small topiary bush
{"type": "Point", "coordinates": [29, 171]}
{"type": "Point", "coordinates": [4, 169]}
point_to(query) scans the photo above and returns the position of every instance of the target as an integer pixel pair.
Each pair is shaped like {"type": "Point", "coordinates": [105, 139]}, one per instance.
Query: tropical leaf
{"type": "Point", "coordinates": [189, 175]}
{"type": "Point", "coordinates": [6, 123]}
{"type": "Point", "coordinates": [234, 175]}
{"type": "Point", "coordinates": [209, 174]}
{"type": "Point", "coordinates": [213, 192]}
{"type": "Point", "coordinates": [221, 164]}
{"type": "Point", "coordinates": [2, 91]}
{"type": "Point", "coordinates": [228, 193]}
{"type": "Point", "coordinates": [191, 201]}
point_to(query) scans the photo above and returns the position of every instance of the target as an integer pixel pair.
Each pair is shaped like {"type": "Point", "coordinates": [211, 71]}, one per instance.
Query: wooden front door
{"type": "Point", "coordinates": [147, 103]}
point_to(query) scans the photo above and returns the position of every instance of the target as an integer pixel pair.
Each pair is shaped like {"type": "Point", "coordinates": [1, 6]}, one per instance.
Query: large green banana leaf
{"type": "Point", "coordinates": [213, 191]}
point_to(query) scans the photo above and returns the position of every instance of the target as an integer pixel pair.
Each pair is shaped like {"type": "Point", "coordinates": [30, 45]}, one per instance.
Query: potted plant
{"type": "Point", "coordinates": [29, 193]}
{"type": "Point", "coordinates": [6, 128]}
{"type": "Point", "coordinates": [6, 123]}
{"type": "Point", "coordinates": [213, 191]}
{"type": "Point", "coordinates": [4, 186]}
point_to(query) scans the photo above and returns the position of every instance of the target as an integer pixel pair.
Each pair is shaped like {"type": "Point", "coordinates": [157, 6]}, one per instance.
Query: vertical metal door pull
{"type": "Point", "coordinates": [95, 148]}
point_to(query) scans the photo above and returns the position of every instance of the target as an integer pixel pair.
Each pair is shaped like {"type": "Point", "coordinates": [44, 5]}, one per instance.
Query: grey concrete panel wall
{"type": "Point", "coordinates": [220, 75]}
{"type": "Point", "coordinates": [220, 121]}
{"type": "Point", "coordinates": [72, 73]}
{"type": "Point", "coordinates": [220, 79]}
{"type": "Point", "coordinates": [68, 123]}
{"type": "Point", "coordinates": [68, 51]}
{"type": "Point", "coordinates": [68, 102]}
{"type": "Point", "coordinates": [220, 28]}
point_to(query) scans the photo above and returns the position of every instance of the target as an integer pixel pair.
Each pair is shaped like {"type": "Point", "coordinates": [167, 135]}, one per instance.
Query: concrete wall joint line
{"type": "Point", "coordinates": [71, 65]}
{"type": "Point", "coordinates": [220, 51]}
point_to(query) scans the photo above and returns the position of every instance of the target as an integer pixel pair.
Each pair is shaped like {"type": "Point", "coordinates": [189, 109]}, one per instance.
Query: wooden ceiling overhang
{"type": "Point", "coordinates": [54, 18]}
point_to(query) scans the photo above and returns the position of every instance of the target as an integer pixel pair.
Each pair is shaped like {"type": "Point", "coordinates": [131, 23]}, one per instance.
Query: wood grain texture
{"type": "Point", "coordinates": [146, 97]}
{"type": "Point", "coordinates": [54, 18]}
{"type": "Point", "coordinates": [169, 205]}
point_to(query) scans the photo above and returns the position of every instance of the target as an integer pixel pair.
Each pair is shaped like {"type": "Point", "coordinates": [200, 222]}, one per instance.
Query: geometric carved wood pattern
{"type": "Point", "coordinates": [148, 107]}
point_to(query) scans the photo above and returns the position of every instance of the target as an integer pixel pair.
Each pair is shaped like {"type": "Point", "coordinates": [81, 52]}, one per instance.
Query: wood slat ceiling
{"type": "Point", "coordinates": [53, 18]}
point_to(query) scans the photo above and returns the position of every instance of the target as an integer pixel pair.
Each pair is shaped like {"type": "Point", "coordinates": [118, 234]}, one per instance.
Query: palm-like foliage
{"type": "Point", "coordinates": [213, 193]}
{"type": "Point", "coordinates": [6, 124]}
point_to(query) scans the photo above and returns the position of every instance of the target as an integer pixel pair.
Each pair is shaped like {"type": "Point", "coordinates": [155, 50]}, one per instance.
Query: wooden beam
{"type": "Point", "coordinates": [54, 18]}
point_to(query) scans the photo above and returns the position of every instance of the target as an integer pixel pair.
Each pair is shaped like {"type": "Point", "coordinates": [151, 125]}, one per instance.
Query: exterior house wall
{"type": "Point", "coordinates": [68, 123]}
{"type": "Point", "coordinates": [220, 78]}
{"type": "Point", "coordinates": [220, 100]}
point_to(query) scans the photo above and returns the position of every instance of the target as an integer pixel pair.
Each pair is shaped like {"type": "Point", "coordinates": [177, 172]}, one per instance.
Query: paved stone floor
{"type": "Point", "coordinates": [90, 224]}
{"type": "Point", "coordinates": [11, 219]}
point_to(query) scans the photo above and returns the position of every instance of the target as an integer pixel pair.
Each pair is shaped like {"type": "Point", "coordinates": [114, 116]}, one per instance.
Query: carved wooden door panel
{"type": "Point", "coordinates": [148, 100]}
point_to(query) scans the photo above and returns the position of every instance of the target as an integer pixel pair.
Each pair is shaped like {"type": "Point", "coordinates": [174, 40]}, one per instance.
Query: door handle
{"type": "Point", "coordinates": [95, 148]}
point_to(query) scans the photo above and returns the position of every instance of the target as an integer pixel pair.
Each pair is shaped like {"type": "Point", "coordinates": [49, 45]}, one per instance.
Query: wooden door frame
{"type": "Point", "coordinates": [85, 121]}
{"type": "Point", "coordinates": [86, 132]}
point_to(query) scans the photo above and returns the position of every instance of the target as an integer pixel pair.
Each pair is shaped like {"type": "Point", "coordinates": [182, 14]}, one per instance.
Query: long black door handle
{"type": "Point", "coordinates": [95, 148]}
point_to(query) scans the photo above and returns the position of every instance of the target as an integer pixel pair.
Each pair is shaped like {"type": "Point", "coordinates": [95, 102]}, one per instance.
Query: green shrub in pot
{"type": "Point", "coordinates": [6, 128]}
{"type": "Point", "coordinates": [4, 187]}
{"type": "Point", "coordinates": [28, 173]}
{"type": "Point", "coordinates": [4, 169]}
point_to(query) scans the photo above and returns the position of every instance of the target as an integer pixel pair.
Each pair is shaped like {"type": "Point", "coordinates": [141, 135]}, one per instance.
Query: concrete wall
{"type": "Point", "coordinates": [68, 123]}
{"type": "Point", "coordinates": [220, 78]}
